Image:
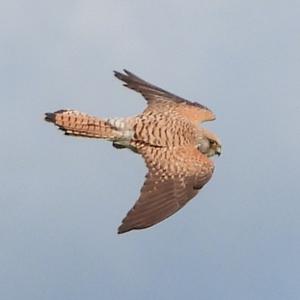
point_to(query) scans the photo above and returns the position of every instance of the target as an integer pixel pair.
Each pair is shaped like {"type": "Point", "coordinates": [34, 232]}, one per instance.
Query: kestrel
{"type": "Point", "coordinates": [169, 137]}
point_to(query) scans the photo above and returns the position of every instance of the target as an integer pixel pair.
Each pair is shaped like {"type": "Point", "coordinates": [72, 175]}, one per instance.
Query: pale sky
{"type": "Point", "coordinates": [63, 198]}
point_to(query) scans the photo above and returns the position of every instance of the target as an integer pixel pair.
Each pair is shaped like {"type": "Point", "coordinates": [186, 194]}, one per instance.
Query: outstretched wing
{"type": "Point", "coordinates": [159, 99]}
{"type": "Point", "coordinates": [175, 176]}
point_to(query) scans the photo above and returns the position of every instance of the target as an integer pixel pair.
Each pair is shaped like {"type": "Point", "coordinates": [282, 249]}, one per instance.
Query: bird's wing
{"type": "Point", "coordinates": [161, 100]}
{"type": "Point", "coordinates": [174, 176]}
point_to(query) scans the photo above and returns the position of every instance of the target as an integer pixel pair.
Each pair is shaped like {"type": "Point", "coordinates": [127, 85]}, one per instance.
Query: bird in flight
{"type": "Point", "coordinates": [168, 135]}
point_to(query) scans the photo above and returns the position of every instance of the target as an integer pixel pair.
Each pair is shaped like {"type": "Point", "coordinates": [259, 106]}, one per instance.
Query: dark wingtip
{"type": "Point", "coordinates": [130, 79]}
{"type": "Point", "coordinates": [123, 76]}
{"type": "Point", "coordinates": [120, 231]}
{"type": "Point", "coordinates": [123, 229]}
{"type": "Point", "coordinates": [118, 74]}
{"type": "Point", "coordinates": [128, 72]}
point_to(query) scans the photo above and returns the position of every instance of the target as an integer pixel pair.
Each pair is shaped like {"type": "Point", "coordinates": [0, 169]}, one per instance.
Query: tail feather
{"type": "Point", "coordinates": [79, 124]}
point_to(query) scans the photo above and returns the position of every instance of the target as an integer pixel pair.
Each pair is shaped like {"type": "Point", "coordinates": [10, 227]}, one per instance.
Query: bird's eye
{"type": "Point", "coordinates": [204, 146]}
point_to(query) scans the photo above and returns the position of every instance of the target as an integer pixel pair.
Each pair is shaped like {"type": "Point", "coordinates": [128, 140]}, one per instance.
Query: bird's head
{"type": "Point", "coordinates": [209, 144]}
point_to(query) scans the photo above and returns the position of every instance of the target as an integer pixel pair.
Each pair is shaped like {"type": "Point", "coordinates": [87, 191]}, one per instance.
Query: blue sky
{"type": "Point", "coordinates": [63, 198]}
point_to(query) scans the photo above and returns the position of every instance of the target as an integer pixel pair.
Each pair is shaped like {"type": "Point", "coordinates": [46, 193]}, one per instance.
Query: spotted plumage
{"type": "Point", "coordinates": [169, 137]}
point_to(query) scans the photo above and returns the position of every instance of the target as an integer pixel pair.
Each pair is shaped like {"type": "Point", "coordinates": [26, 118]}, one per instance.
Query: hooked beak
{"type": "Point", "coordinates": [219, 150]}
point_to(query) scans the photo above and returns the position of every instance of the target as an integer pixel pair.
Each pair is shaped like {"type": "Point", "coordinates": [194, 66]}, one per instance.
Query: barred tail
{"type": "Point", "coordinates": [79, 124]}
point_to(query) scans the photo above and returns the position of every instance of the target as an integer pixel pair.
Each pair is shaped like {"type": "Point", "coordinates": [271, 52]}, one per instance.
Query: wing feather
{"type": "Point", "coordinates": [169, 184]}
{"type": "Point", "coordinates": [159, 99]}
